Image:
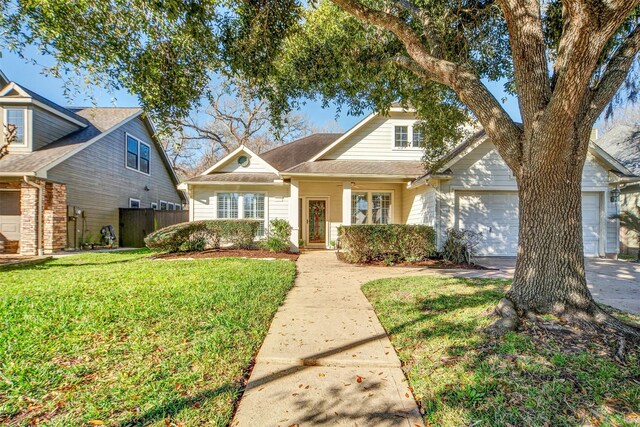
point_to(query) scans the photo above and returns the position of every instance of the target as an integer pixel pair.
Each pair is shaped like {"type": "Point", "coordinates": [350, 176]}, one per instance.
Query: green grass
{"type": "Point", "coordinates": [124, 340]}
{"type": "Point", "coordinates": [460, 377]}
{"type": "Point", "coordinates": [627, 257]}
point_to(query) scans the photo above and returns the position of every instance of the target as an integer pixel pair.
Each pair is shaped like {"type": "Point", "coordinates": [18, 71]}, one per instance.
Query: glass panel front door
{"type": "Point", "coordinates": [317, 221]}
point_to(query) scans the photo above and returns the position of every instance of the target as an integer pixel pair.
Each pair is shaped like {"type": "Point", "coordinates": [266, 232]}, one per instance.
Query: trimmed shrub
{"type": "Point", "coordinates": [460, 246]}
{"type": "Point", "coordinates": [390, 243]}
{"type": "Point", "coordinates": [200, 235]}
{"type": "Point", "coordinates": [279, 236]}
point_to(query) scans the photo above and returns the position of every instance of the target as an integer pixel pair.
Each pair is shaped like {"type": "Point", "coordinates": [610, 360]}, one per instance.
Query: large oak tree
{"type": "Point", "coordinates": [566, 60]}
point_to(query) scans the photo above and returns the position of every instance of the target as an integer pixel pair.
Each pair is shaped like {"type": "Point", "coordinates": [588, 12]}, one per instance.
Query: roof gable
{"type": "Point", "coordinates": [14, 93]}
{"type": "Point", "coordinates": [229, 163]}
{"type": "Point", "coordinates": [623, 143]}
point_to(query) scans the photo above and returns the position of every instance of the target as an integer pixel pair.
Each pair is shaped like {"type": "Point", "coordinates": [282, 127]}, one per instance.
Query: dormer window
{"type": "Point", "coordinates": [138, 154]}
{"type": "Point", "coordinates": [17, 117]}
{"type": "Point", "coordinates": [407, 137]}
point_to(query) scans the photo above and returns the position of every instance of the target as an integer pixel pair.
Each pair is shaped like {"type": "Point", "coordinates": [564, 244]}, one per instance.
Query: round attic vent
{"type": "Point", "coordinates": [243, 161]}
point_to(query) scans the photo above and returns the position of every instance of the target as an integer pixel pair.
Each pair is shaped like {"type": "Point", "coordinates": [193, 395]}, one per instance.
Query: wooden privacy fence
{"type": "Point", "coordinates": [136, 224]}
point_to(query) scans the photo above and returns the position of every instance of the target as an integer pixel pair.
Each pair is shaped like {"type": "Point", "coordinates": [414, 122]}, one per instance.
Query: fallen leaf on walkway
{"type": "Point", "coordinates": [348, 384]}
{"type": "Point", "coordinates": [321, 374]}
{"type": "Point", "coordinates": [358, 379]}
{"type": "Point", "coordinates": [406, 395]}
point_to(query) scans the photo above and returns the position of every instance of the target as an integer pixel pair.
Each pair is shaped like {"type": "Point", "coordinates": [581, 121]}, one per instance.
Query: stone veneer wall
{"type": "Point", "coordinates": [54, 233]}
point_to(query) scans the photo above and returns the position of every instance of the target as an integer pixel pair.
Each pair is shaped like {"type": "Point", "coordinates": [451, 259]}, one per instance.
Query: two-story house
{"type": "Point", "coordinates": [69, 170]}
{"type": "Point", "coordinates": [374, 174]}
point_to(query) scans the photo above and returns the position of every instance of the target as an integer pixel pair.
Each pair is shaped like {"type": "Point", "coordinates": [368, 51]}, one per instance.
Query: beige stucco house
{"type": "Point", "coordinates": [623, 142]}
{"type": "Point", "coordinates": [374, 174]}
{"type": "Point", "coordinates": [69, 171]}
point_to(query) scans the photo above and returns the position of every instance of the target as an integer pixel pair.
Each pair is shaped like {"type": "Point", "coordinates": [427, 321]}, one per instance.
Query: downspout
{"type": "Point", "coordinates": [39, 221]}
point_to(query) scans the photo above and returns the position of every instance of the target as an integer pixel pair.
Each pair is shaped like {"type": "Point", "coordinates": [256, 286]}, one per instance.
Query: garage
{"type": "Point", "coordinates": [9, 220]}
{"type": "Point", "coordinates": [495, 215]}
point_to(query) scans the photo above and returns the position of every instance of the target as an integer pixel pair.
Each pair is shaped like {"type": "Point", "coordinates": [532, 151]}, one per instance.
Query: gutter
{"type": "Point", "coordinates": [40, 219]}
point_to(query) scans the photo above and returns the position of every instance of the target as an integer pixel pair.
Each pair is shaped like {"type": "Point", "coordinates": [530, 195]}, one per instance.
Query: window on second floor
{"type": "Point", "coordinates": [138, 155]}
{"type": "Point", "coordinates": [16, 117]}
{"type": "Point", "coordinates": [408, 137]}
{"type": "Point", "coordinates": [401, 136]}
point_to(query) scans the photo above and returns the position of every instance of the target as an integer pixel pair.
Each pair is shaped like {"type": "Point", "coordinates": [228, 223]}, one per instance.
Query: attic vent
{"type": "Point", "coordinates": [243, 161]}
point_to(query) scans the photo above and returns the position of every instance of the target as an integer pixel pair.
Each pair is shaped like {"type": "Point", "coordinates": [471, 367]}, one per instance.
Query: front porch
{"type": "Point", "coordinates": [318, 208]}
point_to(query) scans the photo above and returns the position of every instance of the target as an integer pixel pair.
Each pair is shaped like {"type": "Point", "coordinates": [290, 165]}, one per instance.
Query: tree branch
{"type": "Point", "coordinates": [529, 55]}
{"type": "Point", "coordinates": [499, 126]}
{"type": "Point", "coordinates": [579, 51]}
{"type": "Point", "coordinates": [614, 75]}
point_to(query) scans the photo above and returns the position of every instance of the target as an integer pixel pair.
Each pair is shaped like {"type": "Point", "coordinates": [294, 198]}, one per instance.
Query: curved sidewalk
{"type": "Point", "coordinates": [326, 359]}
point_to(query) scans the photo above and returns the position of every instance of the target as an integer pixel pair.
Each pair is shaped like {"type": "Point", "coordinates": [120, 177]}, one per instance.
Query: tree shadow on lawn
{"type": "Point", "coordinates": [526, 378]}
{"type": "Point", "coordinates": [173, 407]}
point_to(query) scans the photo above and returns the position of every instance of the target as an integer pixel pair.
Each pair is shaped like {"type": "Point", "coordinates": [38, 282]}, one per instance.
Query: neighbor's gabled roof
{"type": "Point", "coordinates": [623, 143]}
{"type": "Point", "coordinates": [25, 95]}
{"type": "Point", "coordinates": [101, 122]}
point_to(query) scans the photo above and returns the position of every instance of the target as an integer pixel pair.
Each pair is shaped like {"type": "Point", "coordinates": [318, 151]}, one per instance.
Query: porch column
{"type": "Point", "coordinates": [346, 203]}
{"type": "Point", "coordinates": [294, 215]}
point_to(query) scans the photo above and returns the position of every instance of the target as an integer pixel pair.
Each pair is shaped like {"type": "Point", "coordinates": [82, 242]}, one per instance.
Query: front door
{"type": "Point", "coordinates": [317, 221]}
{"type": "Point", "coordinates": [9, 216]}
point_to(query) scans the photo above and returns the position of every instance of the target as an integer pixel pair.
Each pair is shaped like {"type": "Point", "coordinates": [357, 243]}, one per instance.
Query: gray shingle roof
{"type": "Point", "coordinates": [299, 151]}
{"type": "Point", "coordinates": [99, 120]}
{"type": "Point", "coordinates": [623, 144]}
{"type": "Point", "coordinates": [231, 177]}
{"type": "Point", "coordinates": [361, 167]}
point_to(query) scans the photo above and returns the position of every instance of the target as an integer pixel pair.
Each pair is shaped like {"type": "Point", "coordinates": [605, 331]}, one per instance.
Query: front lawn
{"type": "Point", "coordinates": [461, 377]}
{"type": "Point", "coordinates": [118, 339]}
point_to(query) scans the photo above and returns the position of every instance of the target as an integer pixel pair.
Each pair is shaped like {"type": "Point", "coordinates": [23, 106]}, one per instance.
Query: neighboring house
{"type": "Point", "coordinates": [70, 170]}
{"type": "Point", "coordinates": [373, 174]}
{"type": "Point", "coordinates": [623, 143]}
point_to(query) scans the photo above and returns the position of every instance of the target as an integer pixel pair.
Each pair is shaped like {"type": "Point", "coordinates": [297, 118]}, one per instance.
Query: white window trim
{"type": "Point", "coordinates": [131, 199]}
{"type": "Point", "coordinates": [241, 206]}
{"type": "Point", "coordinates": [154, 205]}
{"type": "Point", "coordinates": [370, 205]}
{"type": "Point", "coordinates": [140, 142]}
{"type": "Point", "coordinates": [166, 204]}
{"type": "Point", "coordinates": [409, 147]}
{"type": "Point", "coordinates": [26, 122]}
{"type": "Point", "coordinates": [171, 206]}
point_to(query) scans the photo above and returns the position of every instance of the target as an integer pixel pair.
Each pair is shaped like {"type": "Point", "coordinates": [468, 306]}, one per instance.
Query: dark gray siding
{"type": "Point", "coordinates": [48, 127]}
{"type": "Point", "coordinates": [99, 183]}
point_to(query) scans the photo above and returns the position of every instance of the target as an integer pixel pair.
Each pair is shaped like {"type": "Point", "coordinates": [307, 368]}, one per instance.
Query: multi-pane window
{"type": "Point", "coordinates": [370, 208]}
{"type": "Point", "coordinates": [227, 205]}
{"type": "Point", "coordinates": [359, 208]}
{"type": "Point", "coordinates": [401, 136]}
{"type": "Point", "coordinates": [253, 208]}
{"type": "Point", "coordinates": [163, 205]}
{"type": "Point", "coordinates": [402, 140]}
{"type": "Point", "coordinates": [380, 207]}
{"type": "Point", "coordinates": [417, 138]}
{"type": "Point", "coordinates": [15, 117]}
{"type": "Point", "coordinates": [134, 203]}
{"type": "Point", "coordinates": [138, 154]}
{"type": "Point", "coordinates": [144, 157]}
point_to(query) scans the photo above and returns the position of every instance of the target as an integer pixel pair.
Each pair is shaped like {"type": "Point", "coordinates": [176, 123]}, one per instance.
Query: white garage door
{"type": "Point", "coordinates": [495, 215]}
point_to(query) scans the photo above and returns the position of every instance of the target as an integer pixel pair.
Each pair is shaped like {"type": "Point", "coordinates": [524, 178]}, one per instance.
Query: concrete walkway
{"type": "Point", "coordinates": [326, 359]}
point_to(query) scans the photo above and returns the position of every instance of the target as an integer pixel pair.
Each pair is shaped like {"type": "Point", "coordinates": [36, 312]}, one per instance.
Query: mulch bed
{"type": "Point", "coordinates": [223, 253]}
{"type": "Point", "coordinates": [428, 263]}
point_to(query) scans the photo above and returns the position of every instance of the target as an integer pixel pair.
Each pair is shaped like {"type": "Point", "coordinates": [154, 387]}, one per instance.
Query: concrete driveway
{"type": "Point", "coordinates": [612, 282]}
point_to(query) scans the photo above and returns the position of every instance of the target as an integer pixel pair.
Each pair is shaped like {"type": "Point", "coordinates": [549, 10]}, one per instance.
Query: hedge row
{"type": "Point", "coordinates": [206, 234]}
{"type": "Point", "coordinates": [389, 243]}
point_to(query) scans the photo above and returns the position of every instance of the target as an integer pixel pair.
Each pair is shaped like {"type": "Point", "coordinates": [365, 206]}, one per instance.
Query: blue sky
{"type": "Point", "coordinates": [29, 72]}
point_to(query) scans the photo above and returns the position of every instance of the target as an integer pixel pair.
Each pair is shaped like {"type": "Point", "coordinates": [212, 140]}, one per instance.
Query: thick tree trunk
{"type": "Point", "coordinates": [550, 273]}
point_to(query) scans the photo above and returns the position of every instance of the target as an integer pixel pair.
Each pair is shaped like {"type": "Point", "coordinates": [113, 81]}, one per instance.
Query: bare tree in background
{"type": "Point", "coordinates": [232, 117]}
{"type": "Point", "coordinates": [624, 116]}
{"type": "Point", "coordinates": [9, 136]}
